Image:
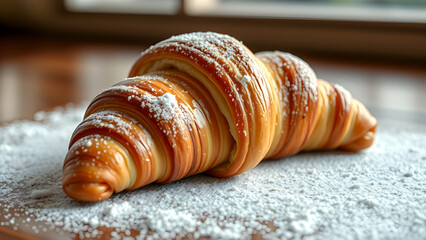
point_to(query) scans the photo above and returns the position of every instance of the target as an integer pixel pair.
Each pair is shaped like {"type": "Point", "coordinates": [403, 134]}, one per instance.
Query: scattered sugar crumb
{"type": "Point", "coordinates": [413, 150]}
{"type": "Point", "coordinates": [40, 193]}
{"type": "Point", "coordinates": [369, 202]}
{"type": "Point", "coordinates": [245, 79]}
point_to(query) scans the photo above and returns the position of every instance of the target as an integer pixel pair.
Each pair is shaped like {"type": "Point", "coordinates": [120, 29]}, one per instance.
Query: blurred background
{"type": "Point", "coordinates": [53, 52]}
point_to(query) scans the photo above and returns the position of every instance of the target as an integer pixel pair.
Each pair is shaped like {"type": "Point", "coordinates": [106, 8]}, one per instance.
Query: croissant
{"type": "Point", "coordinates": [203, 102]}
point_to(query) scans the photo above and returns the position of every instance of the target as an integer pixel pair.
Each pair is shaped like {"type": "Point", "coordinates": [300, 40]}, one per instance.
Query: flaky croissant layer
{"type": "Point", "coordinates": [203, 102]}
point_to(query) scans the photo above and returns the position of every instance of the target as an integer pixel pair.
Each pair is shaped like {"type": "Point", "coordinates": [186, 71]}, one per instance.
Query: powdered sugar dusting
{"type": "Point", "coordinates": [326, 195]}
{"type": "Point", "coordinates": [163, 107]}
{"type": "Point", "coordinates": [297, 78]}
{"type": "Point", "coordinates": [228, 56]}
{"type": "Point", "coordinates": [110, 119]}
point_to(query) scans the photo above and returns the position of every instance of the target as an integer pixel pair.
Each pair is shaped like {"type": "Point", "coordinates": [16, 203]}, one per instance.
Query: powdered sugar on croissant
{"type": "Point", "coordinates": [202, 102]}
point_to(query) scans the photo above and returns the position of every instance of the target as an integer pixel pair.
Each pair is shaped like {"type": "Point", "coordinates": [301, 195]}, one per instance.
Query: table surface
{"type": "Point", "coordinates": [39, 74]}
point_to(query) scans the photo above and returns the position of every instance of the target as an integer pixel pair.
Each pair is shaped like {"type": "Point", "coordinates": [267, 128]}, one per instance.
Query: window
{"type": "Point", "coordinates": [124, 6]}
{"type": "Point", "coordinates": [366, 10]}
{"type": "Point", "coordinates": [373, 29]}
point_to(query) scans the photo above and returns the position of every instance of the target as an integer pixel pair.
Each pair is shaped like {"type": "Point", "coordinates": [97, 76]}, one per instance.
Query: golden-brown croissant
{"type": "Point", "coordinates": [202, 102]}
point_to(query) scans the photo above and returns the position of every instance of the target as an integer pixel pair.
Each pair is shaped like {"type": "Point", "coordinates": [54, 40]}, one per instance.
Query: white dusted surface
{"type": "Point", "coordinates": [376, 194]}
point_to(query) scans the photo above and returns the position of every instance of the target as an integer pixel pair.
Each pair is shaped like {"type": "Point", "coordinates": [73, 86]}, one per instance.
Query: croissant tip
{"type": "Point", "coordinates": [361, 143]}
{"type": "Point", "coordinates": [88, 192]}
